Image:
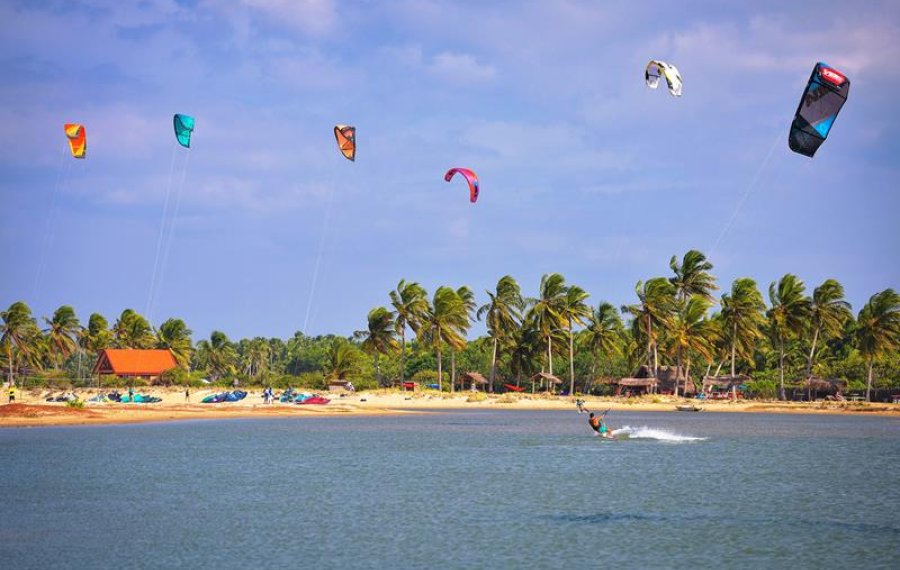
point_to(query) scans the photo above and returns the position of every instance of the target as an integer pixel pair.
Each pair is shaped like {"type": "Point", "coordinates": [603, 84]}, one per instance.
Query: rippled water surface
{"type": "Point", "coordinates": [475, 489]}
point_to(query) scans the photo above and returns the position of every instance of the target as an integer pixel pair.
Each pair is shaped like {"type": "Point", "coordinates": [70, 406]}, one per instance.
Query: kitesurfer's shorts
{"type": "Point", "coordinates": [603, 429]}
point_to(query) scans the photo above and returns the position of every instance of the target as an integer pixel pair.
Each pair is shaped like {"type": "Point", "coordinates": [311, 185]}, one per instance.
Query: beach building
{"type": "Point", "coordinates": [340, 386]}
{"type": "Point", "coordinates": [544, 379]}
{"type": "Point", "coordinates": [829, 388]}
{"type": "Point", "coordinates": [134, 363]}
{"type": "Point", "coordinates": [663, 382]}
{"type": "Point", "coordinates": [475, 379]}
{"type": "Point", "coordinates": [725, 386]}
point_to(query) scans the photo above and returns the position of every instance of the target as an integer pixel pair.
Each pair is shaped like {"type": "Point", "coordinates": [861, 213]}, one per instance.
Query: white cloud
{"type": "Point", "coordinates": [314, 17]}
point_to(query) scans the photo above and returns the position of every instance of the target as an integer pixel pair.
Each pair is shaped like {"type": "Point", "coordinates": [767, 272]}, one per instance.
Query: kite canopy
{"type": "Point", "coordinates": [184, 126]}
{"type": "Point", "coordinates": [822, 100]}
{"type": "Point", "coordinates": [346, 139]}
{"type": "Point", "coordinates": [470, 177]}
{"type": "Point", "coordinates": [77, 139]}
{"type": "Point", "coordinates": [656, 69]}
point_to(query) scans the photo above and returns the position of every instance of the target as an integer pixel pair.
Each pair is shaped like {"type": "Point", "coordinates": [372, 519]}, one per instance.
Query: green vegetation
{"type": "Point", "coordinates": [674, 321]}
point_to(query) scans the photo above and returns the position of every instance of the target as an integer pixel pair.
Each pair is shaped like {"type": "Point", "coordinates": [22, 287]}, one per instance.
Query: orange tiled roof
{"type": "Point", "coordinates": [134, 362]}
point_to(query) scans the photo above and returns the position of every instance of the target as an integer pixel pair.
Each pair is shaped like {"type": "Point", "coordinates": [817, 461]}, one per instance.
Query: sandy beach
{"type": "Point", "coordinates": [31, 409]}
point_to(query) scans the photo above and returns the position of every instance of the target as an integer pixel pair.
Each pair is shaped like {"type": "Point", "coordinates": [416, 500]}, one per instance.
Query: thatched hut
{"type": "Point", "coordinates": [672, 377]}
{"type": "Point", "coordinates": [545, 379]}
{"type": "Point", "coordinates": [717, 385]}
{"type": "Point", "coordinates": [475, 379]}
{"type": "Point", "coordinates": [636, 386]}
{"type": "Point", "coordinates": [832, 387]}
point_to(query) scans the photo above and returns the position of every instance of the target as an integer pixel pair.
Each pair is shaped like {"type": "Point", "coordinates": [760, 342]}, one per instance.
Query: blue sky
{"type": "Point", "coordinates": [584, 171]}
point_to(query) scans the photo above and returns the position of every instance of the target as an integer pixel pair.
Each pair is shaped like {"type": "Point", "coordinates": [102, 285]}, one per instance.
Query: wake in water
{"type": "Point", "coordinates": [645, 432]}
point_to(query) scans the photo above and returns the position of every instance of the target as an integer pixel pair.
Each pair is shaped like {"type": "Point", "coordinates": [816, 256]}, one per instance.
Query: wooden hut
{"type": "Point", "coordinates": [545, 379]}
{"type": "Point", "coordinates": [671, 377]}
{"type": "Point", "coordinates": [833, 387]}
{"type": "Point", "coordinates": [721, 386]}
{"type": "Point", "coordinates": [636, 386]}
{"type": "Point", "coordinates": [340, 386]}
{"type": "Point", "coordinates": [475, 379]}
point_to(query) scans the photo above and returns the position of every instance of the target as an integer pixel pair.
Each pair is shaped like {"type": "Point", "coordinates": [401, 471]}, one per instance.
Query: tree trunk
{"type": "Point", "coordinates": [549, 354]}
{"type": "Point", "coordinates": [719, 368]}
{"type": "Point", "coordinates": [402, 355]}
{"type": "Point", "coordinates": [494, 365]}
{"type": "Point", "coordinates": [733, 348]}
{"type": "Point", "coordinates": [571, 360]}
{"type": "Point", "coordinates": [452, 370]}
{"type": "Point", "coordinates": [649, 346]}
{"type": "Point", "coordinates": [812, 351]}
{"type": "Point", "coordinates": [9, 360]}
{"type": "Point", "coordinates": [869, 380]}
{"type": "Point", "coordinates": [440, 371]}
{"type": "Point", "coordinates": [677, 369]}
{"type": "Point", "coordinates": [781, 394]}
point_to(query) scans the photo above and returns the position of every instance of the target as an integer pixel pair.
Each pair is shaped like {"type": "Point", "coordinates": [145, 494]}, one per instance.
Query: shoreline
{"type": "Point", "coordinates": [32, 411]}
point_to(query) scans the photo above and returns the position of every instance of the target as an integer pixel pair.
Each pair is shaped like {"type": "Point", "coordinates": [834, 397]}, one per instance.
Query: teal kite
{"type": "Point", "coordinates": [184, 126]}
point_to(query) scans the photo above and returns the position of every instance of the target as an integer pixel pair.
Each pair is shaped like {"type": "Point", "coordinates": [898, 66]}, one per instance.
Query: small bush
{"type": "Point", "coordinates": [476, 397]}
{"type": "Point", "coordinates": [79, 404]}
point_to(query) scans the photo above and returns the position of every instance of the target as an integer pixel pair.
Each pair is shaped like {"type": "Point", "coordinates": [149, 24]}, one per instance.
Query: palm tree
{"type": "Point", "coordinates": [410, 302]}
{"type": "Point", "coordinates": [133, 331]}
{"type": "Point", "coordinates": [828, 311]}
{"type": "Point", "coordinates": [742, 316]}
{"type": "Point", "coordinates": [62, 332]}
{"type": "Point", "coordinates": [788, 316]}
{"type": "Point", "coordinates": [545, 310]}
{"type": "Point", "coordinates": [174, 335]}
{"type": "Point", "coordinates": [445, 322]}
{"type": "Point", "coordinates": [603, 334]}
{"type": "Point", "coordinates": [693, 277]}
{"type": "Point", "coordinates": [878, 330]}
{"type": "Point", "coordinates": [690, 332]}
{"type": "Point", "coordinates": [96, 336]}
{"type": "Point", "coordinates": [379, 338]}
{"type": "Point", "coordinates": [467, 297]}
{"type": "Point", "coordinates": [502, 315]}
{"type": "Point", "coordinates": [217, 355]}
{"type": "Point", "coordinates": [573, 311]}
{"type": "Point", "coordinates": [657, 297]}
{"type": "Point", "coordinates": [20, 337]}
{"type": "Point", "coordinates": [341, 360]}
{"type": "Point", "coordinates": [527, 348]}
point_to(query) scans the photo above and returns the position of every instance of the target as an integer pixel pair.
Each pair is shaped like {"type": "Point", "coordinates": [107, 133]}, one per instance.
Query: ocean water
{"type": "Point", "coordinates": [479, 489]}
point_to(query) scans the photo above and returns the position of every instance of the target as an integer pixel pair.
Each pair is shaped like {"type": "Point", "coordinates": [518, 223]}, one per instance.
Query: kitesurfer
{"type": "Point", "coordinates": [598, 424]}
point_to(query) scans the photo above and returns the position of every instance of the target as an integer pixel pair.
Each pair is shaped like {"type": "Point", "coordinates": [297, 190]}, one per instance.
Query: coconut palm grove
{"type": "Point", "coordinates": [778, 335]}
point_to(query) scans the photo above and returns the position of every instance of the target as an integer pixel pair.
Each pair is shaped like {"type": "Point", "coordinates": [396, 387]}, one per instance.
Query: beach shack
{"type": "Point", "coordinates": [725, 387]}
{"type": "Point", "coordinates": [134, 363]}
{"type": "Point", "coordinates": [475, 380]}
{"type": "Point", "coordinates": [340, 386]}
{"type": "Point", "coordinates": [543, 379]}
{"type": "Point", "coordinates": [830, 388]}
{"type": "Point", "coordinates": [636, 386]}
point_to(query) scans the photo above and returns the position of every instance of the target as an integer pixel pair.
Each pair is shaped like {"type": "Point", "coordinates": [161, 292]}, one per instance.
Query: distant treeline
{"type": "Point", "coordinates": [678, 320]}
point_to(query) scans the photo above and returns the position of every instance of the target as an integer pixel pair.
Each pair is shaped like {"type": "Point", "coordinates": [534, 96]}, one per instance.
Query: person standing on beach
{"type": "Point", "coordinates": [580, 403]}
{"type": "Point", "coordinates": [187, 393]}
{"type": "Point", "coordinates": [12, 392]}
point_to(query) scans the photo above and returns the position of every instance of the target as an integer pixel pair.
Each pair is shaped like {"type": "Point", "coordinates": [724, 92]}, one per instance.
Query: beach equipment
{"type": "Point", "coordinates": [471, 179]}
{"type": "Point", "coordinates": [688, 408]}
{"type": "Point", "coordinates": [315, 400]}
{"type": "Point", "coordinates": [514, 388]}
{"type": "Point", "coordinates": [184, 126]}
{"type": "Point", "coordinates": [77, 139]}
{"type": "Point", "coordinates": [656, 69]}
{"type": "Point", "coordinates": [825, 94]}
{"type": "Point", "coordinates": [346, 140]}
